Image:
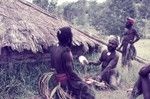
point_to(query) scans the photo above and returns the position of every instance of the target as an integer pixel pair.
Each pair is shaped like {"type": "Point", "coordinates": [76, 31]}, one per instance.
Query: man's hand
{"type": "Point", "coordinates": [91, 63]}
{"type": "Point", "coordinates": [119, 48]}
{"type": "Point", "coordinates": [95, 63]}
{"type": "Point", "coordinates": [131, 42]}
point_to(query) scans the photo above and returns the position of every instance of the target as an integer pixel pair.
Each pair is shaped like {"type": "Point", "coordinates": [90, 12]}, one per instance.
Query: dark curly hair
{"type": "Point", "coordinates": [64, 36]}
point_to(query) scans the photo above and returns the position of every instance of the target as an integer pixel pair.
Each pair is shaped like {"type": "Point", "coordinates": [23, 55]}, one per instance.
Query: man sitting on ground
{"type": "Point", "coordinates": [108, 61]}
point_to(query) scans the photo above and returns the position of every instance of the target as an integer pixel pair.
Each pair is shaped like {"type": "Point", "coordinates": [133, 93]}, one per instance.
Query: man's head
{"type": "Point", "coordinates": [64, 36]}
{"type": "Point", "coordinates": [113, 43]}
{"type": "Point", "coordinates": [130, 22]}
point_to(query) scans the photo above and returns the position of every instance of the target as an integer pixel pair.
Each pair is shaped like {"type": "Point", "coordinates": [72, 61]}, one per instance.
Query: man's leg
{"type": "Point", "coordinates": [114, 79]}
{"type": "Point", "coordinates": [81, 90]}
{"type": "Point", "coordinates": [133, 52]}
{"type": "Point", "coordinates": [124, 55]}
{"type": "Point", "coordinates": [109, 77]}
{"type": "Point", "coordinates": [106, 77]}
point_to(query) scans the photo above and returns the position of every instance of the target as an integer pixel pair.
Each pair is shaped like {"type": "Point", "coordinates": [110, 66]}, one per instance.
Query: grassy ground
{"type": "Point", "coordinates": [143, 48]}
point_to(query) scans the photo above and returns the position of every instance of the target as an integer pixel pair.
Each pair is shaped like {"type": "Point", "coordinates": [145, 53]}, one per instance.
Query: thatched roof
{"type": "Point", "coordinates": [24, 25]}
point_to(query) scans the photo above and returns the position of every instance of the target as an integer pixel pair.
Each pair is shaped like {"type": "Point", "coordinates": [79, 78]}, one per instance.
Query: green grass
{"type": "Point", "coordinates": [143, 48]}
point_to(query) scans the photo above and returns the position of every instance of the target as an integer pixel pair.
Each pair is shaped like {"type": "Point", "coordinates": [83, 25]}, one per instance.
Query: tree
{"type": "Point", "coordinates": [47, 5]}
{"type": "Point", "coordinates": [42, 3]}
{"type": "Point", "coordinates": [52, 6]}
{"type": "Point", "coordinates": [76, 12]}
{"type": "Point", "coordinates": [110, 16]}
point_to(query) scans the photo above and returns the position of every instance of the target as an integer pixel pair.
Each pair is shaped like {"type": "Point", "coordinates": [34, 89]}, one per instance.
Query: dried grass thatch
{"type": "Point", "coordinates": [24, 25]}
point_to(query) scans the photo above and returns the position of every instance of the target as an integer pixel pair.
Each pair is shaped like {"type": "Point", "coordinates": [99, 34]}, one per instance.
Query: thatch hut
{"type": "Point", "coordinates": [27, 32]}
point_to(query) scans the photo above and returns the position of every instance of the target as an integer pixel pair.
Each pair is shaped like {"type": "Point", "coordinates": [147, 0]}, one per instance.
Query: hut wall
{"type": "Point", "coordinates": [24, 67]}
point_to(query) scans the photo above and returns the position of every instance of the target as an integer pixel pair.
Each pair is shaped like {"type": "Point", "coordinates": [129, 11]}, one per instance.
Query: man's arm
{"type": "Point", "coordinates": [52, 59]}
{"type": "Point", "coordinates": [137, 37]}
{"type": "Point", "coordinates": [95, 63]}
{"type": "Point", "coordinates": [68, 57]}
{"type": "Point", "coordinates": [120, 46]}
{"type": "Point", "coordinates": [121, 41]}
{"type": "Point", "coordinates": [112, 64]}
{"type": "Point", "coordinates": [99, 61]}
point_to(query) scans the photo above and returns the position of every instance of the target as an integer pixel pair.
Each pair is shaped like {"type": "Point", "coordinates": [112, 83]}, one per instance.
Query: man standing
{"type": "Point", "coordinates": [142, 86]}
{"type": "Point", "coordinates": [62, 61]}
{"type": "Point", "coordinates": [130, 36]}
{"type": "Point", "coordinates": [108, 61]}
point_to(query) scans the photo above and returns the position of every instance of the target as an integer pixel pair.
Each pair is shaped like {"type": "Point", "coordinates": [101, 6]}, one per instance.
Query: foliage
{"type": "Point", "coordinates": [47, 5]}
{"type": "Point", "coordinates": [76, 12]}
{"type": "Point", "coordinates": [42, 3]}
{"type": "Point", "coordinates": [107, 18]}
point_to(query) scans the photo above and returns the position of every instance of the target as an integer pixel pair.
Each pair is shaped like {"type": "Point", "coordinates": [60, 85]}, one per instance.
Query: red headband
{"type": "Point", "coordinates": [131, 20]}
